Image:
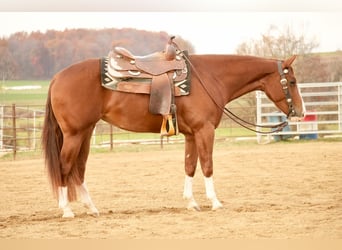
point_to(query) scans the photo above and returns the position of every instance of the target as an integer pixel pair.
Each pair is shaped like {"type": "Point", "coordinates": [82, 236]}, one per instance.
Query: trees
{"type": "Point", "coordinates": [308, 67]}
{"type": "Point", "coordinates": [39, 55]}
{"type": "Point", "coordinates": [7, 62]}
{"type": "Point", "coordinates": [277, 43]}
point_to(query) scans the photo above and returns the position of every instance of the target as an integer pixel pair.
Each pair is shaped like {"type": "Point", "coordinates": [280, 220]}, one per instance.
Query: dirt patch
{"type": "Point", "coordinates": [279, 190]}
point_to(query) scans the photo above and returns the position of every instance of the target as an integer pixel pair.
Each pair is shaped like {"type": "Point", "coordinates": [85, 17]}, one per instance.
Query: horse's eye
{"type": "Point", "coordinates": [293, 82]}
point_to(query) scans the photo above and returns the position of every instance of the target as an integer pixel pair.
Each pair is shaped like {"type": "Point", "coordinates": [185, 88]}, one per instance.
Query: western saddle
{"type": "Point", "coordinates": [159, 74]}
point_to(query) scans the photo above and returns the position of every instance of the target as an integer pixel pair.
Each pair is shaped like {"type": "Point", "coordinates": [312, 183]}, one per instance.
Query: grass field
{"type": "Point", "coordinates": [28, 92]}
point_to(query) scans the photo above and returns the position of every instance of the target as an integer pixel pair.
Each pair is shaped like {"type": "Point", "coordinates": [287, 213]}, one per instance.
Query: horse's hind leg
{"type": "Point", "coordinates": [69, 153]}
{"type": "Point", "coordinates": [74, 155]}
{"type": "Point", "coordinates": [82, 189]}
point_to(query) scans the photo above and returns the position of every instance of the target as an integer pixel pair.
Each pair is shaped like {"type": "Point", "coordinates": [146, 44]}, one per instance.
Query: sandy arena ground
{"type": "Point", "coordinates": [285, 190]}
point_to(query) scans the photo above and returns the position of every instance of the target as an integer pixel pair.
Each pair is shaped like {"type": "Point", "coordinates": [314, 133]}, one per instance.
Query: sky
{"type": "Point", "coordinates": [212, 30]}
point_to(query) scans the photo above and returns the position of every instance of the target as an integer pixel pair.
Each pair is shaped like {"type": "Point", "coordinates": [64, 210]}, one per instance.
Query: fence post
{"type": "Point", "coordinates": [339, 100]}
{"type": "Point", "coordinates": [14, 132]}
{"type": "Point", "coordinates": [111, 137]}
{"type": "Point", "coordinates": [1, 127]}
{"type": "Point", "coordinates": [34, 130]}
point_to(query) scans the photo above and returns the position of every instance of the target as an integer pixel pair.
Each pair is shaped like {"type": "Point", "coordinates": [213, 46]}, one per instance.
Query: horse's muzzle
{"type": "Point", "coordinates": [297, 117]}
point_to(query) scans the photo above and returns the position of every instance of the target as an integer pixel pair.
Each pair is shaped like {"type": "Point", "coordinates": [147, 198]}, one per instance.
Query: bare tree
{"type": "Point", "coordinates": [277, 43]}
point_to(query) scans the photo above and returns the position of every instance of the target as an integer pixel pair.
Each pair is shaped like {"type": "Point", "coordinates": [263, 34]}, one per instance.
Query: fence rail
{"type": "Point", "coordinates": [21, 126]}
{"type": "Point", "coordinates": [21, 129]}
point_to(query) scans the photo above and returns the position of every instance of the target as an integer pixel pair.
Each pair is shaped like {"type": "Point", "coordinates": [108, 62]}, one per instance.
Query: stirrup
{"type": "Point", "coordinates": [167, 128]}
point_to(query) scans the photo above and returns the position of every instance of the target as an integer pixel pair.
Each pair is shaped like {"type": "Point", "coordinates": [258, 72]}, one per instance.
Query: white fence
{"type": "Point", "coordinates": [323, 102]}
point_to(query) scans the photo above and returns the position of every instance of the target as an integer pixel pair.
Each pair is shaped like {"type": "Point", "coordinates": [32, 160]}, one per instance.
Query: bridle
{"type": "Point", "coordinates": [242, 122]}
{"type": "Point", "coordinates": [283, 82]}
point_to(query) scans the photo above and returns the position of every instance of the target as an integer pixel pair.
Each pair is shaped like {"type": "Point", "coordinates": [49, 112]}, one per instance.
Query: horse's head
{"type": "Point", "coordinates": [281, 87]}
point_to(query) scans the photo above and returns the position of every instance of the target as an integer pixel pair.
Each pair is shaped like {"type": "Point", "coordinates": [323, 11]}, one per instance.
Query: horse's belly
{"type": "Point", "coordinates": [130, 112]}
{"type": "Point", "coordinates": [137, 123]}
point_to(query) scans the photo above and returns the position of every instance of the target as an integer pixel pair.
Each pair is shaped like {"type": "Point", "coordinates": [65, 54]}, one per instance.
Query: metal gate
{"type": "Point", "coordinates": [323, 102]}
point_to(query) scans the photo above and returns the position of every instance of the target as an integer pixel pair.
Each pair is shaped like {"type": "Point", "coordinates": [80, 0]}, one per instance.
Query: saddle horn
{"type": "Point", "coordinates": [170, 50]}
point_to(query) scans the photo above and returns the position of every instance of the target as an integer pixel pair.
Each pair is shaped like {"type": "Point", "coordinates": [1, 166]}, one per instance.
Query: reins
{"type": "Point", "coordinates": [230, 114]}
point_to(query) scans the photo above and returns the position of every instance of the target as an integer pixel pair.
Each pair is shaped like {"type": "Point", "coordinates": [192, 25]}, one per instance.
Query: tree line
{"type": "Point", "coordinates": [38, 55]}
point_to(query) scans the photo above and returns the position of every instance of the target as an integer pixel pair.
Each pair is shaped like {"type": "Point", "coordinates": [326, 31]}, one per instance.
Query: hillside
{"type": "Point", "coordinates": [332, 61]}
{"type": "Point", "coordinates": [319, 67]}
{"type": "Point", "coordinates": [39, 55]}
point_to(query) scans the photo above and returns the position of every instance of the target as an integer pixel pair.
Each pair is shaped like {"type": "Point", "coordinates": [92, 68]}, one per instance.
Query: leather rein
{"type": "Point", "coordinates": [240, 121]}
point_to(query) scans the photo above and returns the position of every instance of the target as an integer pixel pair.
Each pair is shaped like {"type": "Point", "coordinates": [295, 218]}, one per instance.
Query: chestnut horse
{"type": "Point", "coordinates": [77, 101]}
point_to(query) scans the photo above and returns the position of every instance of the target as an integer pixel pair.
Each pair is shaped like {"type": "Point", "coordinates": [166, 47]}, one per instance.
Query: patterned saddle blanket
{"type": "Point", "coordinates": [162, 75]}
{"type": "Point", "coordinates": [135, 80]}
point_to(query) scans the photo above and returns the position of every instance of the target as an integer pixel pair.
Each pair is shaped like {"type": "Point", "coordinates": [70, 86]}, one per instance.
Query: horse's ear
{"type": "Point", "coordinates": [289, 61]}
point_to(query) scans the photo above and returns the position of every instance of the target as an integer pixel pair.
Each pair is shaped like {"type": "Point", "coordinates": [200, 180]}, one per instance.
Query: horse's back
{"type": "Point", "coordinates": [79, 73]}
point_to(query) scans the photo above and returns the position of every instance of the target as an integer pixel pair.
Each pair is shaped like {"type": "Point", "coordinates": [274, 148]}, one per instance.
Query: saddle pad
{"type": "Point", "coordinates": [122, 81]}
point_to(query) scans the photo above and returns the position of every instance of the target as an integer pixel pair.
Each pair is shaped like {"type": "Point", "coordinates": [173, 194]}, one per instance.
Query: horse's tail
{"type": "Point", "coordinates": [52, 141]}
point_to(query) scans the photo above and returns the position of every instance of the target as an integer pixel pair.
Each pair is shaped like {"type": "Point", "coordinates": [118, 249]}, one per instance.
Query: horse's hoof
{"type": "Point", "coordinates": [193, 206]}
{"type": "Point", "coordinates": [94, 213]}
{"type": "Point", "coordinates": [93, 210]}
{"type": "Point", "coordinates": [196, 208]}
{"type": "Point", "coordinates": [217, 205]}
{"type": "Point", "coordinates": [68, 215]}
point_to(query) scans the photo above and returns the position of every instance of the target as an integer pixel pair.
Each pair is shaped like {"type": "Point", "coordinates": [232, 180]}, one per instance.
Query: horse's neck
{"type": "Point", "coordinates": [243, 74]}
{"type": "Point", "coordinates": [232, 75]}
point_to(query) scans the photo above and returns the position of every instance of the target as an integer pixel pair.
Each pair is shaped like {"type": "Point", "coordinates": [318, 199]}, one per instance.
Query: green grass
{"type": "Point", "coordinates": [233, 132]}
{"type": "Point", "coordinates": [9, 96]}
{"type": "Point", "coordinates": [22, 155]}
{"type": "Point", "coordinates": [220, 133]}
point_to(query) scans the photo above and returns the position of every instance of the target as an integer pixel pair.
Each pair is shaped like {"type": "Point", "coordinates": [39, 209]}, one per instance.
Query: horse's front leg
{"type": "Point", "coordinates": [190, 169]}
{"type": "Point", "coordinates": [205, 142]}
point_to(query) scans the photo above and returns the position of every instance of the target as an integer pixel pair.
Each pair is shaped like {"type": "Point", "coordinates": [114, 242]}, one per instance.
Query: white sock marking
{"type": "Point", "coordinates": [188, 187]}
{"type": "Point", "coordinates": [209, 187]}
